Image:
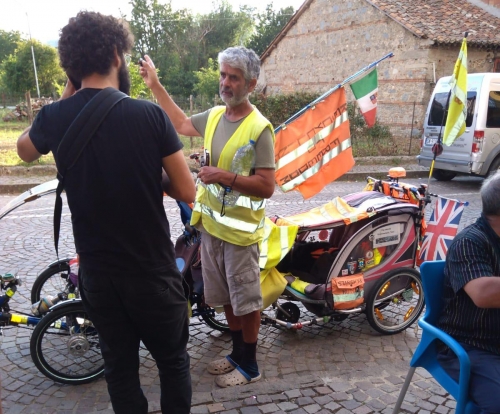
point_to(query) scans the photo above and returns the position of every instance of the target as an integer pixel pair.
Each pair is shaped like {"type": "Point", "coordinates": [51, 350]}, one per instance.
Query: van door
{"type": "Point", "coordinates": [486, 152]}
{"type": "Point", "coordinates": [457, 157]}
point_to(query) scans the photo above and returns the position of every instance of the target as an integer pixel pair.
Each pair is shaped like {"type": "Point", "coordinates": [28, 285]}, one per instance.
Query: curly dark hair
{"type": "Point", "coordinates": [88, 42]}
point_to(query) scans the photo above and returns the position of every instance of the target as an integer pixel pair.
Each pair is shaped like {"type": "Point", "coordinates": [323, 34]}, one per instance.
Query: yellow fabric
{"type": "Point", "coordinates": [457, 110]}
{"type": "Point", "coordinates": [272, 285]}
{"type": "Point", "coordinates": [276, 243]}
{"type": "Point", "coordinates": [335, 210]}
{"type": "Point", "coordinates": [299, 285]}
{"type": "Point", "coordinates": [230, 230]}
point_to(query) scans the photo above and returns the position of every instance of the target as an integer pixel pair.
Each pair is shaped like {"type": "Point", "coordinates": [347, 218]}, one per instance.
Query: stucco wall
{"type": "Point", "coordinates": [333, 39]}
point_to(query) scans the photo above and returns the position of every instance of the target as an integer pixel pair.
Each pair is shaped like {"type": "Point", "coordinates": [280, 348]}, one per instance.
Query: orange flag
{"type": "Point", "coordinates": [315, 149]}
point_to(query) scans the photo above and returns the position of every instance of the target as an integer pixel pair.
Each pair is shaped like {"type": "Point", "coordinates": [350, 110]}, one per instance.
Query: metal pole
{"type": "Point", "coordinates": [33, 56]}
{"type": "Point", "coordinates": [345, 81]}
{"type": "Point", "coordinates": [411, 128]}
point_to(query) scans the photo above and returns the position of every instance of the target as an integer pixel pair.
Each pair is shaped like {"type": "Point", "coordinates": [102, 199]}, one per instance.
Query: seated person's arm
{"type": "Point", "coordinates": [470, 267]}
{"type": "Point", "coordinates": [484, 291]}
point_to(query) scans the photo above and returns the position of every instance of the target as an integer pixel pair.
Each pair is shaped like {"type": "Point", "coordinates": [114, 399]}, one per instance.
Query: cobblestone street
{"type": "Point", "coordinates": [341, 367]}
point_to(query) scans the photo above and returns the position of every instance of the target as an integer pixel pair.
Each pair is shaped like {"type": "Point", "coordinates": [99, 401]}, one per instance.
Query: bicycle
{"type": "Point", "coordinates": [59, 279]}
{"type": "Point", "coordinates": [64, 345]}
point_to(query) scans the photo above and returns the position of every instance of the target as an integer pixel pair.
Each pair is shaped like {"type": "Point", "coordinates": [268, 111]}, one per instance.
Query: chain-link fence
{"type": "Point", "coordinates": [8, 101]}
{"type": "Point", "coordinates": [195, 104]}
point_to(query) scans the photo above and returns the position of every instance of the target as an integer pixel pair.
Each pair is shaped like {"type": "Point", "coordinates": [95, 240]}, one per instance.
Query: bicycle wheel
{"type": "Point", "coordinates": [65, 346]}
{"type": "Point", "coordinates": [212, 318]}
{"type": "Point", "coordinates": [52, 281]}
{"type": "Point", "coordinates": [395, 301]}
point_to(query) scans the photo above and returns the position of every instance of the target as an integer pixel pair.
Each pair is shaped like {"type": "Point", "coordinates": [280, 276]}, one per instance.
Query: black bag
{"type": "Point", "coordinates": [78, 135]}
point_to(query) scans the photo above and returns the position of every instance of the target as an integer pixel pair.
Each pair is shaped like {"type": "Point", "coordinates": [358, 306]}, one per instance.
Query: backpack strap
{"type": "Point", "coordinates": [74, 141]}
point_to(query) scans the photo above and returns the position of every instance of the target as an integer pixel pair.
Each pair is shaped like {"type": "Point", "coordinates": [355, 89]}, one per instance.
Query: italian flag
{"type": "Point", "coordinates": [365, 91]}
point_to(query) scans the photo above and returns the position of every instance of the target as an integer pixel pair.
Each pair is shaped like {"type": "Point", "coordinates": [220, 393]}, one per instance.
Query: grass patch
{"type": "Point", "coordinates": [9, 133]}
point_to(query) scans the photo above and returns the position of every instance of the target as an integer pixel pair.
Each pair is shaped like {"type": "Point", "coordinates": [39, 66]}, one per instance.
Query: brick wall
{"type": "Point", "coordinates": [333, 39]}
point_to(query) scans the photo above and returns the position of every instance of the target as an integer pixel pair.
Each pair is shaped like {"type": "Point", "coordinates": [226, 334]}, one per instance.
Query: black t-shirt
{"type": "Point", "coordinates": [114, 189]}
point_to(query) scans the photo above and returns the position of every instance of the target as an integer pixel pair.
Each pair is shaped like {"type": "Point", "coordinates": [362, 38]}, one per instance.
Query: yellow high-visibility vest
{"type": "Point", "coordinates": [243, 223]}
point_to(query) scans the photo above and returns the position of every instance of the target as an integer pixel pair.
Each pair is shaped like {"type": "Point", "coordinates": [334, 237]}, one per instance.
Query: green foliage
{"type": "Point", "coordinates": [8, 43]}
{"type": "Point", "coordinates": [207, 80]}
{"type": "Point", "coordinates": [279, 108]}
{"type": "Point", "coordinates": [18, 75]}
{"type": "Point", "coordinates": [223, 28]}
{"type": "Point", "coordinates": [269, 25]}
{"type": "Point", "coordinates": [180, 43]}
{"type": "Point", "coordinates": [138, 88]}
{"type": "Point", "coordinates": [373, 141]}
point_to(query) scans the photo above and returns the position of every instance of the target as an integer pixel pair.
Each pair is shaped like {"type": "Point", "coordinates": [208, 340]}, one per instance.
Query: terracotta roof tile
{"type": "Point", "coordinates": [444, 21]}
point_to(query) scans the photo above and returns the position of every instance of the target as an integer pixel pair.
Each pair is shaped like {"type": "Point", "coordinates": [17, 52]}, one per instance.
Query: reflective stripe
{"type": "Point", "coordinates": [276, 243]}
{"type": "Point", "coordinates": [314, 170]}
{"type": "Point", "coordinates": [284, 248]}
{"type": "Point", "coordinates": [306, 146]}
{"type": "Point", "coordinates": [230, 222]}
{"type": "Point", "coordinates": [242, 201]}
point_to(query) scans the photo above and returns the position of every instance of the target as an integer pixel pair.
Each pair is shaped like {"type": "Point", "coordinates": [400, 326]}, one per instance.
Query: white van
{"type": "Point", "coordinates": [477, 150]}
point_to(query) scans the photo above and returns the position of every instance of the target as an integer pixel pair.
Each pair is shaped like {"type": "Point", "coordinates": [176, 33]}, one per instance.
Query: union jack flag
{"type": "Point", "coordinates": [441, 229]}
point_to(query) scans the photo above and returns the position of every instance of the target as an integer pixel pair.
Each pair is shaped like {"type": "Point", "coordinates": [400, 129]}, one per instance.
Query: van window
{"type": "Point", "coordinates": [493, 117]}
{"type": "Point", "coordinates": [439, 103]}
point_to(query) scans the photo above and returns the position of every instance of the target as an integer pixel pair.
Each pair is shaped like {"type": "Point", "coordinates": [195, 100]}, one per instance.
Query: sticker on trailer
{"type": "Point", "coordinates": [387, 236]}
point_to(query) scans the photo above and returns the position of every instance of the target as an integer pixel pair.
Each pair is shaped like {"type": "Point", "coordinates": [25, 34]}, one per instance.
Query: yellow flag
{"type": "Point", "coordinates": [457, 110]}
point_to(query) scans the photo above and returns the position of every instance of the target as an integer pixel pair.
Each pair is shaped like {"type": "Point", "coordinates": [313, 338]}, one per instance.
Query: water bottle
{"type": "Point", "coordinates": [244, 159]}
{"type": "Point", "coordinates": [44, 304]}
{"type": "Point", "coordinates": [242, 164]}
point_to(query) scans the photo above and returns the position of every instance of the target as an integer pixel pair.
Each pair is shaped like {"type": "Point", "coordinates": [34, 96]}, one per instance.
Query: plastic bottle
{"type": "Point", "coordinates": [244, 159]}
{"type": "Point", "coordinates": [44, 304]}
{"type": "Point", "coordinates": [242, 164]}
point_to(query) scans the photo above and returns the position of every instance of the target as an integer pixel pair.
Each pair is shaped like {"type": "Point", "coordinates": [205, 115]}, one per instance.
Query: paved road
{"type": "Point", "coordinates": [341, 367]}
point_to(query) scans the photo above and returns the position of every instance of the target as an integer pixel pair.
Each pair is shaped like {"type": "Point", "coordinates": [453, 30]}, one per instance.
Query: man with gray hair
{"type": "Point", "coordinates": [471, 314]}
{"type": "Point", "coordinates": [230, 200]}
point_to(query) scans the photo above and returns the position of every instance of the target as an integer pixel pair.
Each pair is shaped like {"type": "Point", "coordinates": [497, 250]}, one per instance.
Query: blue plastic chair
{"type": "Point", "coordinates": [432, 274]}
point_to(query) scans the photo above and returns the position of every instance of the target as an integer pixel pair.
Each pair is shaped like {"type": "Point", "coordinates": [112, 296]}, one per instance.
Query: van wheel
{"type": "Point", "coordinates": [494, 167]}
{"type": "Point", "coordinates": [443, 175]}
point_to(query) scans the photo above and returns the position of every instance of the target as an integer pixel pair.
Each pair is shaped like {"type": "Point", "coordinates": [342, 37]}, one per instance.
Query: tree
{"type": "Point", "coordinates": [8, 43]}
{"type": "Point", "coordinates": [165, 35]}
{"type": "Point", "coordinates": [223, 28]}
{"type": "Point", "coordinates": [269, 25]}
{"type": "Point", "coordinates": [18, 75]}
{"type": "Point", "coordinates": [138, 88]}
{"type": "Point", "coordinates": [207, 80]}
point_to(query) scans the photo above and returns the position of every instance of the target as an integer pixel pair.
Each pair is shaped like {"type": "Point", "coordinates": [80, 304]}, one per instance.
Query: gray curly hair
{"type": "Point", "coordinates": [240, 57]}
{"type": "Point", "coordinates": [490, 195]}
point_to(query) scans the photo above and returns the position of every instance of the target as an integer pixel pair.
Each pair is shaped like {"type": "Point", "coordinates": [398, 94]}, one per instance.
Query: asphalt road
{"type": "Point", "coordinates": [344, 367]}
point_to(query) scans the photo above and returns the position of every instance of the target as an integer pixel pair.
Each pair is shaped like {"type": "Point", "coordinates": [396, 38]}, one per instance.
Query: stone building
{"type": "Point", "coordinates": [326, 41]}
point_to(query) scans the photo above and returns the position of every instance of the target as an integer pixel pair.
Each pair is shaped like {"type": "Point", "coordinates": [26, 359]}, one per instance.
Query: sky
{"type": "Point", "coordinates": [44, 18]}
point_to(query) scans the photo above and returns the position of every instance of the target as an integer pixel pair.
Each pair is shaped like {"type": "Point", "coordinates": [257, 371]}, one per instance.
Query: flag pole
{"type": "Point", "coordinates": [329, 92]}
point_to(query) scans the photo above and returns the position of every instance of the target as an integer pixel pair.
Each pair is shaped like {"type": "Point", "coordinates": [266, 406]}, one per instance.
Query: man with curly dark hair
{"type": "Point", "coordinates": [129, 281]}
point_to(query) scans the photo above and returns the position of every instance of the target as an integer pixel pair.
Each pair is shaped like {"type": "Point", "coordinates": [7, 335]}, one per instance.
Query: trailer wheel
{"type": "Point", "coordinates": [396, 301]}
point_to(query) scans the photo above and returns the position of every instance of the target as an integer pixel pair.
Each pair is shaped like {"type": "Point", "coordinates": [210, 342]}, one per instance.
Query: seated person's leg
{"type": "Point", "coordinates": [485, 376]}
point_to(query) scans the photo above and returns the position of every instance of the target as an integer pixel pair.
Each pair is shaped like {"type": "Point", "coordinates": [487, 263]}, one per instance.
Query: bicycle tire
{"type": "Point", "coordinates": [395, 301]}
{"type": "Point", "coordinates": [213, 319]}
{"type": "Point", "coordinates": [65, 347]}
{"type": "Point", "coordinates": [50, 282]}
